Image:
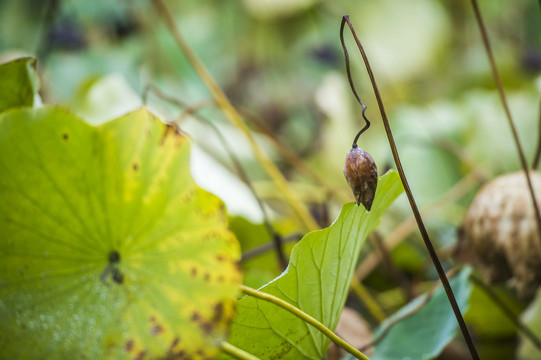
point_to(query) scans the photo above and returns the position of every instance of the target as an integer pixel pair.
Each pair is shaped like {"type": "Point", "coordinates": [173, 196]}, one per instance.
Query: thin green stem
{"type": "Point", "coordinates": [413, 204]}
{"type": "Point", "coordinates": [503, 98]}
{"type": "Point", "coordinates": [305, 317]}
{"type": "Point", "coordinates": [236, 352]}
{"type": "Point", "coordinates": [300, 210]}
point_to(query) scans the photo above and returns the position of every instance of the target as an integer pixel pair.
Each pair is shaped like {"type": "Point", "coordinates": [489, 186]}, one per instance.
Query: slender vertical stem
{"type": "Point", "coordinates": [414, 208]}
{"type": "Point", "coordinates": [538, 150]}
{"type": "Point", "coordinates": [503, 99]}
{"type": "Point", "coordinates": [236, 119]}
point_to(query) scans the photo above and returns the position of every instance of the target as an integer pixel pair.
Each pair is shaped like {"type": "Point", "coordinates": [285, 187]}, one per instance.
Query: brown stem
{"type": "Point", "coordinates": [503, 99]}
{"type": "Point", "coordinates": [352, 85]}
{"type": "Point", "coordinates": [416, 213]}
{"type": "Point", "coordinates": [538, 150]}
{"type": "Point", "coordinates": [509, 314]}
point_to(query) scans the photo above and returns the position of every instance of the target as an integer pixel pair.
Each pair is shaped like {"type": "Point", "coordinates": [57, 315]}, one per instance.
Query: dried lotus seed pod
{"type": "Point", "coordinates": [362, 176]}
{"type": "Point", "coordinates": [499, 234]}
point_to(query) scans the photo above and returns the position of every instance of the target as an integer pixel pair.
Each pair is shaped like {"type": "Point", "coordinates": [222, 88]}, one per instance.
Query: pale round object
{"type": "Point", "coordinates": [499, 234]}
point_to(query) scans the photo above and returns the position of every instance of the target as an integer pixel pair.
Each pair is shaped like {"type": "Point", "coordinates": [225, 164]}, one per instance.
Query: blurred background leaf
{"type": "Point", "coordinates": [19, 84]}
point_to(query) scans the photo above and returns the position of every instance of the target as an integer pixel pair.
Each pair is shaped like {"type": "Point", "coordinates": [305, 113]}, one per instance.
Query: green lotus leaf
{"type": "Point", "coordinates": [108, 249]}
{"type": "Point", "coordinates": [19, 83]}
{"type": "Point", "coordinates": [317, 281]}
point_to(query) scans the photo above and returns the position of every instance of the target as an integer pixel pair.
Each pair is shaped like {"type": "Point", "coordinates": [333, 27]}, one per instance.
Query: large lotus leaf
{"type": "Point", "coordinates": [107, 247]}
{"type": "Point", "coordinates": [316, 281]}
{"type": "Point", "coordinates": [426, 333]}
{"type": "Point", "coordinates": [18, 83]}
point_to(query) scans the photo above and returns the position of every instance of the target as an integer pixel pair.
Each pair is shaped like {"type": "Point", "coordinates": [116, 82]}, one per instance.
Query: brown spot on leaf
{"type": "Point", "coordinates": [221, 278]}
{"type": "Point", "coordinates": [220, 258]}
{"type": "Point", "coordinates": [156, 330]}
{"type": "Point", "coordinates": [152, 318]}
{"type": "Point", "coordinates": [65, 136]}
{"type": "Point", "coordinates": [181, 354]}
{"type": "Point", "coordinates": [206, 327]}
{"type": "Point", "coordinates": [193, 271]}
{"type": "Point", "coordinates": [200, 352]}
{"type": "Point", "coordinates": [135, 166]}
{"type": "Point", "coordinates": [141, 355]}
{"type": "Point", "coordinates": [129, 345]}
{"type": "Point", "coordinates": [195, 316]}
{"type": "Point", "coordinates": [207, 277]}
{"type": "Point", "coordinates": [218, 312]}
{"type": "Point", "coordinates": [175, 342]}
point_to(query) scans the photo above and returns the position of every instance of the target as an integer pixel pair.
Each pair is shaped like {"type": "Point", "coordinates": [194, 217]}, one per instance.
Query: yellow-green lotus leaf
{"type": "Point", "coordinates": [108, 249]}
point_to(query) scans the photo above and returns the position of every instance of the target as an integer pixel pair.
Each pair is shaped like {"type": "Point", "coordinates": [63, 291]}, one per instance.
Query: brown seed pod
{"type": "Point", "coordinates": [362, 176]}
{"type": "Point", "coordinates": [499, 234]}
